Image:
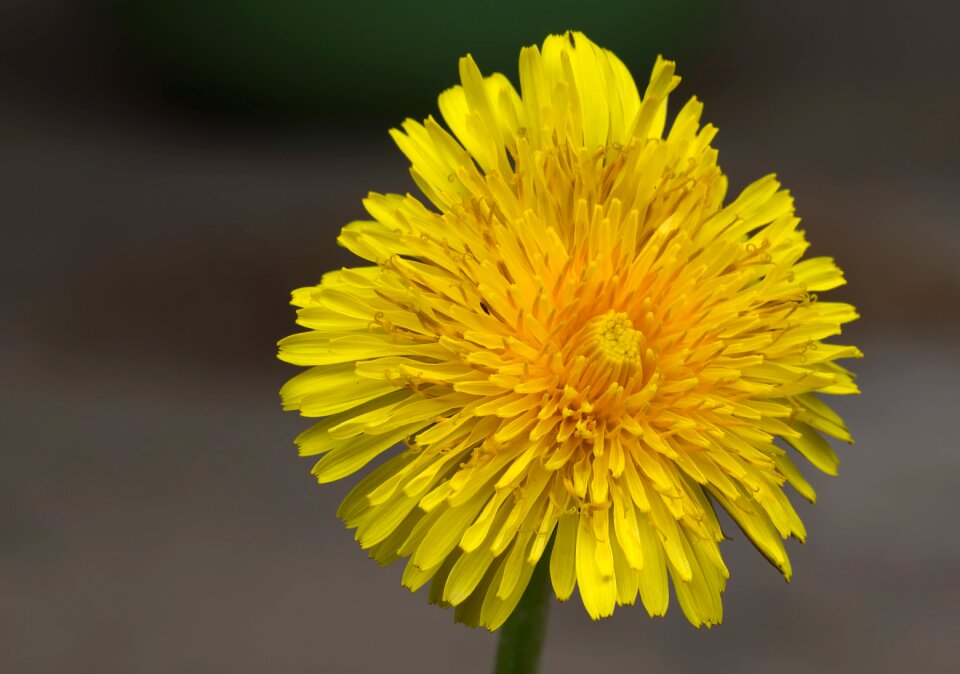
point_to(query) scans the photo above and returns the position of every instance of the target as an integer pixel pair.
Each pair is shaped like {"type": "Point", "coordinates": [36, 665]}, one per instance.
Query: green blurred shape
{"type": "Point", "coordinates": [375, 58]}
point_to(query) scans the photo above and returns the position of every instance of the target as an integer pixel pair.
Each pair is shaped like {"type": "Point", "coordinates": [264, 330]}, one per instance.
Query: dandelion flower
{"type": "Point", "coordinates": [575, 340]}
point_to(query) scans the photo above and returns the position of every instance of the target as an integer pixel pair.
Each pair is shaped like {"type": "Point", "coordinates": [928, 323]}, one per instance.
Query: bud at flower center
{"type": "Point", "coordinates": [613, 349]}
{"type": "Point", "coordinates": [615, 339]}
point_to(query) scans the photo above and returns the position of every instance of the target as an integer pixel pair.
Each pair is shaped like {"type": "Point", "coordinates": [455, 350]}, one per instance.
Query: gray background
{"type": "Point", "coordinates": [153, 514]}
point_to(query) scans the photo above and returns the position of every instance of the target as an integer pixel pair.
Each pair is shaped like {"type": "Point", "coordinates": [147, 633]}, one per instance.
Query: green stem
{"type": "Point", "coordinates": [522, 636]}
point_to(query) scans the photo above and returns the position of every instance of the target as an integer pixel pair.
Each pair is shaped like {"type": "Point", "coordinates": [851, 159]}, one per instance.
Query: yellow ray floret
{"type": "Point", "coordinates": [576, 340]}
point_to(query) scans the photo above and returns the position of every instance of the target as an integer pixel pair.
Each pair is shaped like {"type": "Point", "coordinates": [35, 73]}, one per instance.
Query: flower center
{"type": "Point", "coordinates": [613, 350]}
{"type": "Point", "coordinates": [615, 339]}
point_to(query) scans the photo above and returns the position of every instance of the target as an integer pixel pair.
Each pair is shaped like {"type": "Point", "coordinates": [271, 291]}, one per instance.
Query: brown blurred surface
{"type": "Point", "coordinates": [153, 514]}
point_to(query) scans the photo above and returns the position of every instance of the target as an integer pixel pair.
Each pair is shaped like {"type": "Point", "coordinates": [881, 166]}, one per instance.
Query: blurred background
{"type": "Point", "coordinates": [171, 169]}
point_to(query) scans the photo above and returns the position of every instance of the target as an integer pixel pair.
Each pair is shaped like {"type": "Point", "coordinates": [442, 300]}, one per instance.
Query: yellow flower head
{"type": "Point", "coordinates": [579, 341]}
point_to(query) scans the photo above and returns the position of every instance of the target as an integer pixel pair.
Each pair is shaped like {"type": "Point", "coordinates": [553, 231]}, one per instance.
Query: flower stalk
{"type": "Point", "coordinates": [522, 636]}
